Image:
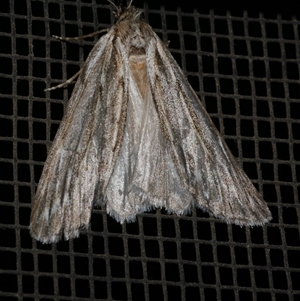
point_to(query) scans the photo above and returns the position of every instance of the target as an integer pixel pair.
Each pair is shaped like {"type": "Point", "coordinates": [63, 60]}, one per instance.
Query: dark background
{"type": "Point", "coordinates": [243, 62]}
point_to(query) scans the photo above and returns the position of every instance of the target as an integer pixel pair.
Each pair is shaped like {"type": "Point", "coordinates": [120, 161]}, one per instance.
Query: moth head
{"type": "Point", "coordinates": [131, 28]}
{"type": "Point", "coordinates": [130, 12]}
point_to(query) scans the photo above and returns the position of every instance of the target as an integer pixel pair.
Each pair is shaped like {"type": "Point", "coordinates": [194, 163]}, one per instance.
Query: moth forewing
{"type": "Point", "coordinates": [135, 137]}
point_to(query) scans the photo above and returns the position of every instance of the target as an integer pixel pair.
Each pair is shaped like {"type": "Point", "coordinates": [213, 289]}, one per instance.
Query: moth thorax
{"type": "Point", "coordinates": [136, 36]}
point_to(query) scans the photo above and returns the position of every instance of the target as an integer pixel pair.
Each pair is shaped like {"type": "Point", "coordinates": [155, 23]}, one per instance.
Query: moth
{"type": "Point", "coordinates": [135, 137]}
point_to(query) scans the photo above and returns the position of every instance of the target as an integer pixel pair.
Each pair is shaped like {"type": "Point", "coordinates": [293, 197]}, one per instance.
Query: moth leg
{"type": "Point", "coordinates": [90, 35]}
{"type": "Point", "coordinates": [74, 39]}
{"type": "Point", "coordinates": [65, 83]}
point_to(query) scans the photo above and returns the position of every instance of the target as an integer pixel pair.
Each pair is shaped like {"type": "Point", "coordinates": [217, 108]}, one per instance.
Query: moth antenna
{"type": "Point", "coordinates": [129, 3]}
{"type": "Point", "coordinates": [113, 4]}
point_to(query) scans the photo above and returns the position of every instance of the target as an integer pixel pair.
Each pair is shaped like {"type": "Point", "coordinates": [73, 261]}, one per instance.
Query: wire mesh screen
{"type": "Point", "coordinates": [245, 69]}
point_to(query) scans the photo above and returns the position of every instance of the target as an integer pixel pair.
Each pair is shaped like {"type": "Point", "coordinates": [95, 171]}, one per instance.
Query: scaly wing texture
{"type": "Point", "coordinates": [172, 156]}
{"type": "Point", "coordinates": [134, 151]}
{"type": "Point", "coordinates": [86, 146]}
{"type": "Point", "coordinates": [144, 176]}
{"type": "Point", "coordinates": [202, 160]}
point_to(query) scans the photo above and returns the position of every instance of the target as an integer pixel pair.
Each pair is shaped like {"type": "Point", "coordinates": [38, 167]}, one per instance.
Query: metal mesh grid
{"type": "Point", "coordinates": [245, 68]}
